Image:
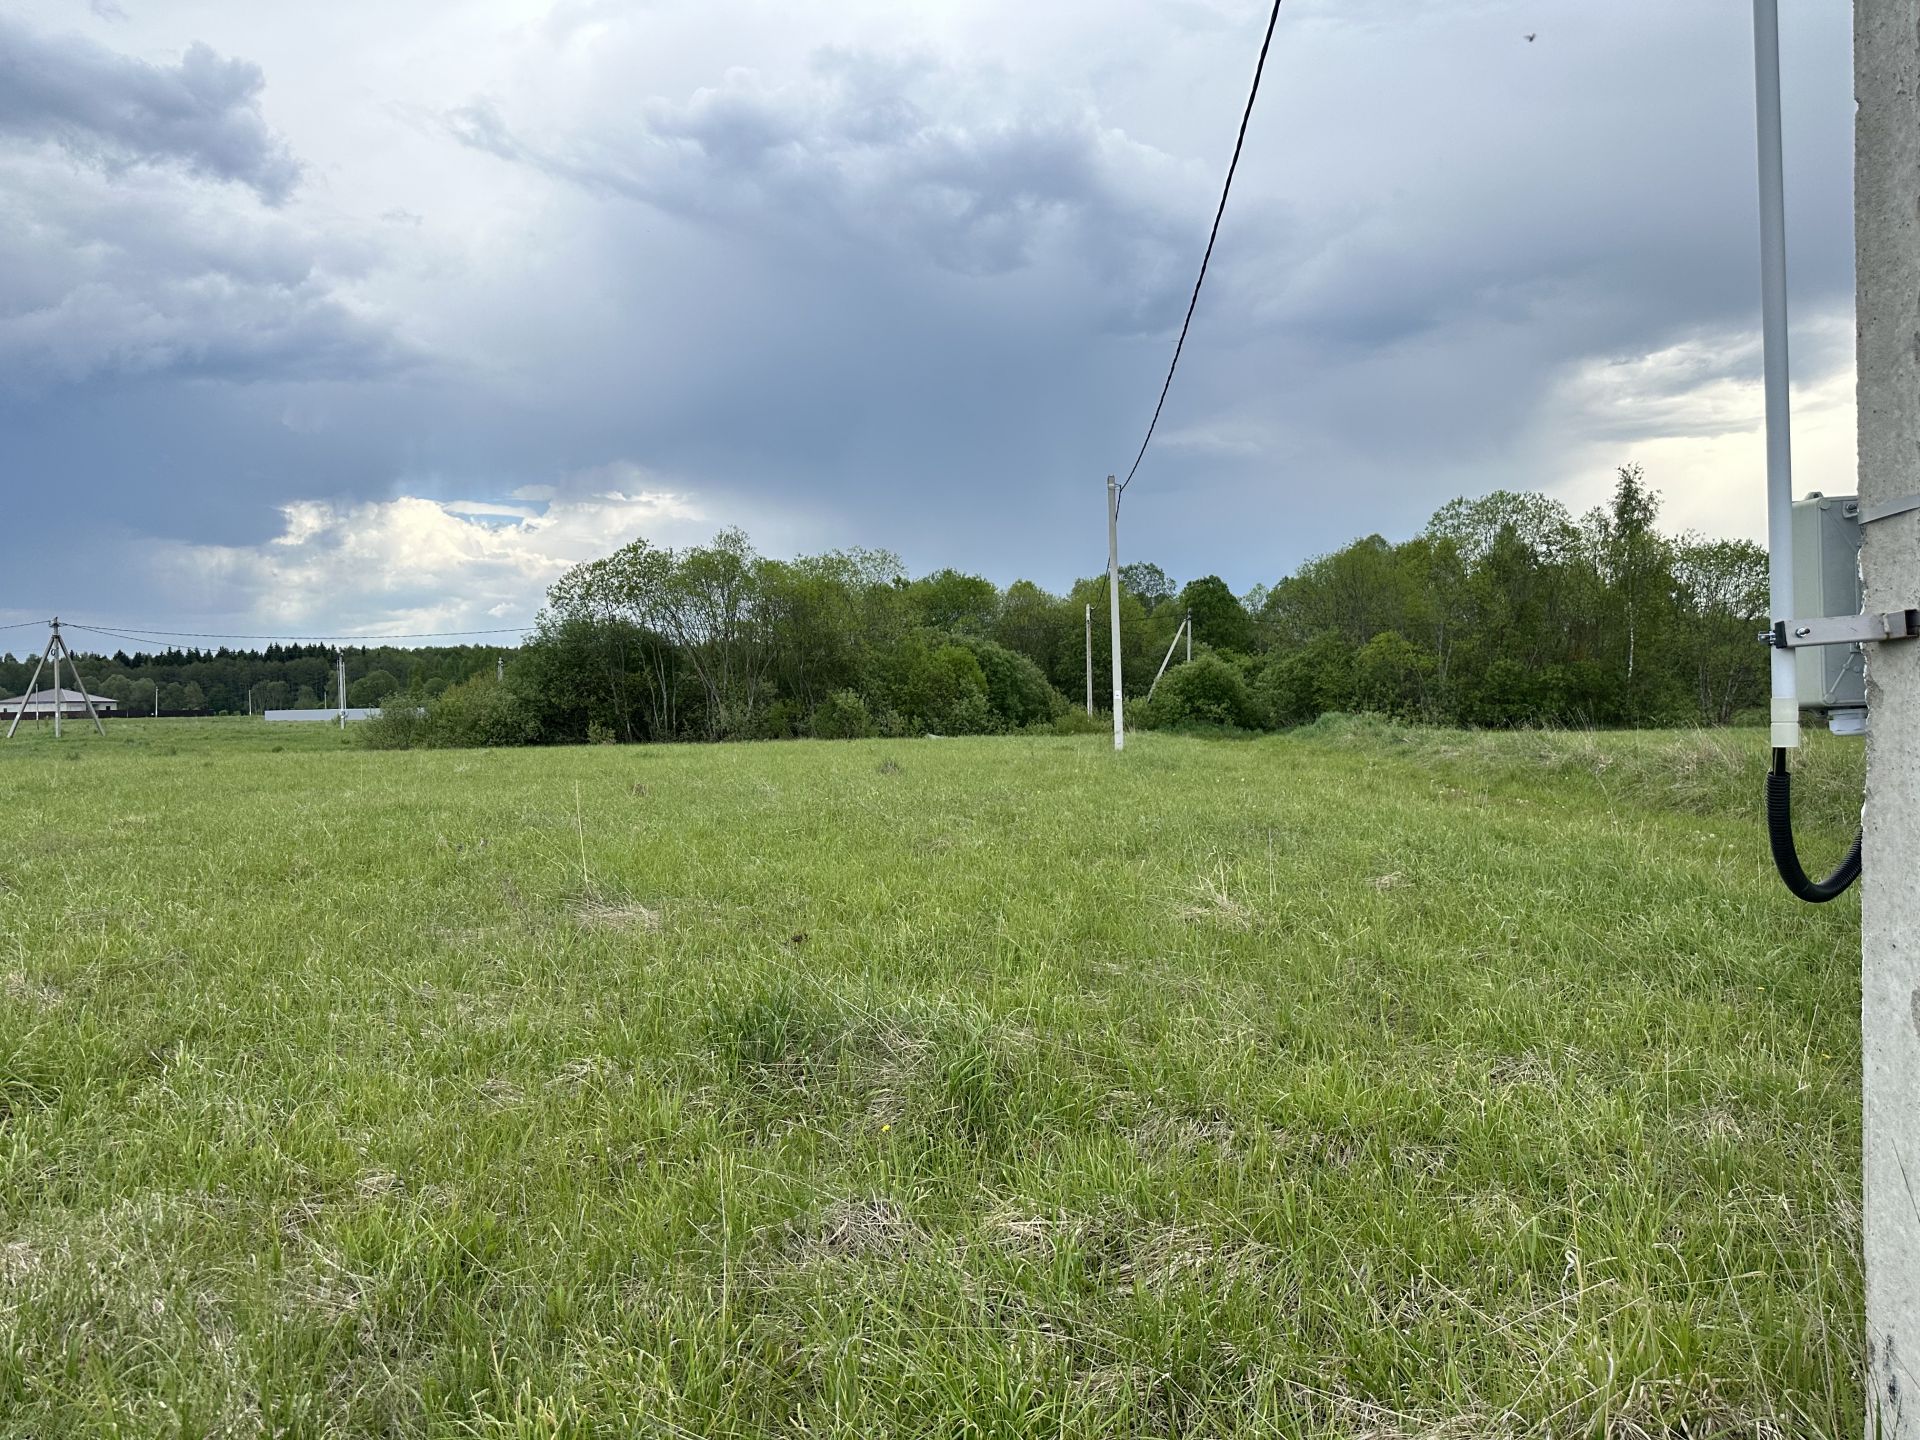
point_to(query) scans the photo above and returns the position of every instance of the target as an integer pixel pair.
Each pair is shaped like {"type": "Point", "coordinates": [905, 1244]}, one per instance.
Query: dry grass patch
{"type": "Point", "coordinates": [1122, 1250]}
{"type": "Point", "coordinates": [590, 912]}
{"type": "Point", "coordinates": [854, 1229]}
{"type": "Point", "coordinates": [1212, 904]}
{"type": "Point", "coordinates": [22, 989]}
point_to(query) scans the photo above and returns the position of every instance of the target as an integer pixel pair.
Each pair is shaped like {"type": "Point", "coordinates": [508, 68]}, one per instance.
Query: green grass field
{"type": "Point", "coordinates": [1357, 1081]}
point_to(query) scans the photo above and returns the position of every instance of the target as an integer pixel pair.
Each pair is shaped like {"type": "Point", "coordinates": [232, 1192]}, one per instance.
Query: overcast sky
{"type": "Point", "coordinates": [372, 317]}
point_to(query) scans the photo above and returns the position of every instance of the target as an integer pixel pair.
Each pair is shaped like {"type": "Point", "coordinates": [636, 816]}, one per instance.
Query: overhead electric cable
{"type": "Point", "coordinates": [138, 639]}
{"type": "Point", "coordinates": [1225, 190]}
{"type": "Point", "coordinates": [130, 632]}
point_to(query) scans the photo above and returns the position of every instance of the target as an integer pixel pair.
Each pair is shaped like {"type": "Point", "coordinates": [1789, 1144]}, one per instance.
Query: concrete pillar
{"type": "Point", "coordinates": [1113, 609]}
{"type": "Point", "coordinates": [1887, 251]}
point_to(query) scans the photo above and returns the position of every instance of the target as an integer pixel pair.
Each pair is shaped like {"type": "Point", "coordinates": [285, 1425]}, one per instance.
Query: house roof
{"type": "Point", "coordinates": [66, 697]}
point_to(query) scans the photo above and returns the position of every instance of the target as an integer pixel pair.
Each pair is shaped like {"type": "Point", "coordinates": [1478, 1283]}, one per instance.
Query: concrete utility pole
{"type": "Point", "coordinates": [55, 651]}
{"type": "Point", "coordinates": [1886, 183]}
{"type": "Point", "coordinates": [1184, 628]}
{"type": "Point", "coordinates": [1113, 606]}
{"type": "Point", "coordinates": [340, 685]}
{"type": "Point", "coordinates": [1089, 657]}
{"type": "Point", "coordinates": [1785, 709]}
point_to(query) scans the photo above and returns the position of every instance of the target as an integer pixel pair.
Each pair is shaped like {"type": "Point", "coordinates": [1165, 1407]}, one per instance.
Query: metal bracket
{"type": "Point", "coordinates": [1887, 509]}
{"type": "Point", "coordinates": [1865, 628]}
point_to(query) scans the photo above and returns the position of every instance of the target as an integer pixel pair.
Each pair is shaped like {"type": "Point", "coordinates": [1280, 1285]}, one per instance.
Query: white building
{"type": "Point", "coordinates": [72, 704]}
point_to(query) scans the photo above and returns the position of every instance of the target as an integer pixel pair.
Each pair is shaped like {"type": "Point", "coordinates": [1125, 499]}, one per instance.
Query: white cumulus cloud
{"type": "Point", "coordinates": [416, 564]}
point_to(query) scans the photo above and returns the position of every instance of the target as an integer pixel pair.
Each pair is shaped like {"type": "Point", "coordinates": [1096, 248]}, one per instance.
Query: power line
{"type": "Point", "coordinates": [119, 635]}
{"type": "Point", "coordinates": [1239, 141]}
{"type": "Point", "coordinates": [141, 636]}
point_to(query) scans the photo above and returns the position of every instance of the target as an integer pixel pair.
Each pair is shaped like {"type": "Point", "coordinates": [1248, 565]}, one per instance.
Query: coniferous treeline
{"type": "Point", "coordinates": [219, 682]}
{"type": "Point", "coordinates": [1506, 610]}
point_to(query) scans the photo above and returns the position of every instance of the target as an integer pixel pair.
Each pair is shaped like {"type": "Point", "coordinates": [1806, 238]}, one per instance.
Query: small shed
{"type": "Point", "coordinates": [70, 704]}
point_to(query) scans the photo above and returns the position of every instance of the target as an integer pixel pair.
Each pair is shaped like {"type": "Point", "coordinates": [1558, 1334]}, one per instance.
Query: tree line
{"type": "Point", "coordinates": [230, 682]}
{"type": "Point", "coordinates": [1505, 610]}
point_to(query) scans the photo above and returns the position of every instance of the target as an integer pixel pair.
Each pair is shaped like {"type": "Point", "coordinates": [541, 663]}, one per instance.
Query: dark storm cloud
{"type": "Point", "coordinates": [906, 151]}
{"type": "Point", "coordinates": [1372, 215]}
{"type": "Point", "coordinates": [101, 279]}
{"type": "Point", "coordinates": [202, 114]}
{"type": "Point", "coordinates": [878, 276]}
{"type": "Point", "coordinates": [170, 253]}
{"type": "Point", "coordinates": [1437, 227]}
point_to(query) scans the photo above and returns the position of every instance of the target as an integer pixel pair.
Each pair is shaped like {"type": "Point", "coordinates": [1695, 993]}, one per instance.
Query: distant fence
{"type": "Point", "coordinates": [354, 712]}
{"type": "Point", "coordinates": [71, 713]}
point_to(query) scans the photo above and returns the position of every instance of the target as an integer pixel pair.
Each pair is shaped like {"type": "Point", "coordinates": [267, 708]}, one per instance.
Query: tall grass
{"type": "Point", "coordinates": [1360, 1081]}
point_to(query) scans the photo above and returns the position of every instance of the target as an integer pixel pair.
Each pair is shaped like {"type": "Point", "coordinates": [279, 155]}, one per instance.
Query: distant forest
{"type": "Point", "coordinates": [220, 682]}
{"type": "Point", "coordinates": [1505, 610]}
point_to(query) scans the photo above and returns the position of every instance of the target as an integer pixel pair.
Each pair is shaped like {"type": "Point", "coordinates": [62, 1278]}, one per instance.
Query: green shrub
{"type": "Point", "coordinates": [843, 715]}
{"type": "Point", "coordinates": [1304, 684]}
{"type": "Point", "coordinates": [1391, 676]}
{"type": "Point", "coordinates": [478, 712]}
{"type": "Point", "coordinates": [1075, 721]}
{"type": "Point", "coordinates": [580, 672]}
{"type": "Point", "coordinates": [1511, 692]}
{"type": "Point", "coordinates": [936, 685]}
{"type": "Point", "coordinates": [1207, 691]}
{"type": "Point", "coordinates": [1017, 689]}
{"type": "Point", "coordinates": [780, 720]}
{"type": "Point", "coordinates": [400, 725]}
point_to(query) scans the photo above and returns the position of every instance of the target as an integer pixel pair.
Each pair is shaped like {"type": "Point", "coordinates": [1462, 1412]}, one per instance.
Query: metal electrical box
{"type": "Point", "coordinates": [1826, 581]}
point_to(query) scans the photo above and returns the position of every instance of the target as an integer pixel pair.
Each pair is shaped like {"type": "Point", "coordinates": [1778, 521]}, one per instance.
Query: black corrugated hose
{"type": "Point", "coordinates": [1786, 859]}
